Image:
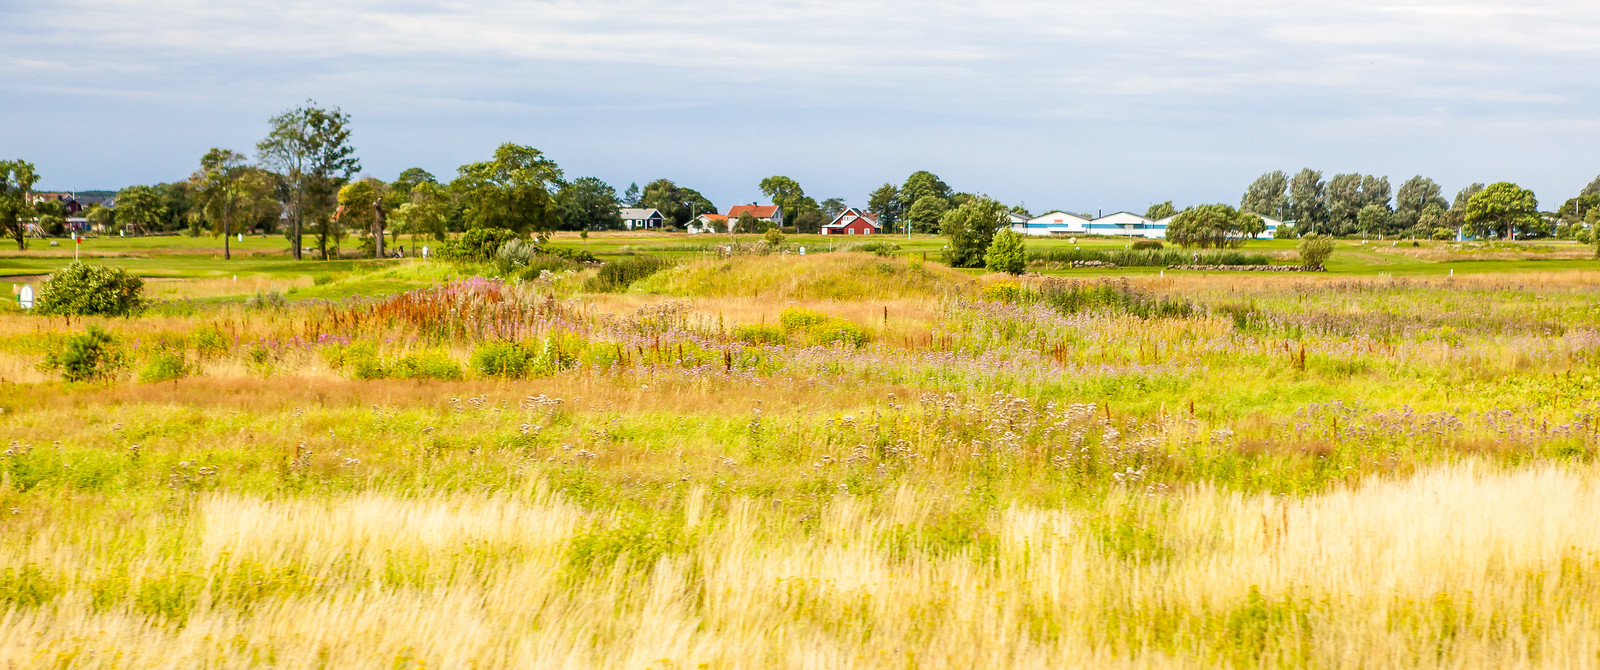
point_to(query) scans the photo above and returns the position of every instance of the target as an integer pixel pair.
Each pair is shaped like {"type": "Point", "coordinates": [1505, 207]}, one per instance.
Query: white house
{"type": "Point", "coordinates": [707, 223]}
{"type": "Point", "coordinates": [635, 218]}
{"type": "Point", "coordinates": [1053, 223]}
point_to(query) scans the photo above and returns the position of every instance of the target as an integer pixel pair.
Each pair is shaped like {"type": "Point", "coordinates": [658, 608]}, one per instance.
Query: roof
{"type": "Point", "coordinates": [637, 213]}
{"type": "Point", "coordinates": [712, 217]}
{"type": "Point", "coordinates": [851, 215]}
{"type": "Point", "coordinates": [1056, 216]}
{"type": "Point", "coordinates": [758, 211]}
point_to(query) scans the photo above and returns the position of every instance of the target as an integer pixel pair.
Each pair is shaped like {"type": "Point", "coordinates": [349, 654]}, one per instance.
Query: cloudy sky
{"type": "Point", "coordinates": [1086, 105]}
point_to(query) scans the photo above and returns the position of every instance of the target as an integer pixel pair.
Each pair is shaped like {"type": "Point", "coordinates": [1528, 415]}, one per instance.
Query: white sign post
{"type": "Point", "coordinates": [25, 296]}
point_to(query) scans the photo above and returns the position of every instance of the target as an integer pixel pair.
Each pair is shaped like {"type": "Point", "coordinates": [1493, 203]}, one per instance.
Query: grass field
{"type": "Point", "coordinates": [844, 459]}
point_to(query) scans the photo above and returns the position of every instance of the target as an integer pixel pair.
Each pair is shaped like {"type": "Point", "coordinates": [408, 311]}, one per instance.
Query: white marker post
{"type": "Point", "coordinates": [25, 297]}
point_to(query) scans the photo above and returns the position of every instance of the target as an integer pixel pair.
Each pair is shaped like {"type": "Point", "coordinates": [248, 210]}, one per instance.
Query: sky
{"type": "Point", "coordinates": [1095, 105]}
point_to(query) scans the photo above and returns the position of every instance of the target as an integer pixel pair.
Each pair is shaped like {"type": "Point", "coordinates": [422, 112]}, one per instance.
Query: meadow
{"type": "Point", "coordinates": [852, 458]}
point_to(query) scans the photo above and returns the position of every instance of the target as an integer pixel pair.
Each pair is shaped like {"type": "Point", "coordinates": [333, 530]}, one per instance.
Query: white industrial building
{"type": "Point", "coordinates": [1116, 224]}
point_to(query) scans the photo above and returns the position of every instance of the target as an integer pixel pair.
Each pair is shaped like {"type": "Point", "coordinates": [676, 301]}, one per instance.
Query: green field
{"type": "Point", "coordinates": [845, 459]}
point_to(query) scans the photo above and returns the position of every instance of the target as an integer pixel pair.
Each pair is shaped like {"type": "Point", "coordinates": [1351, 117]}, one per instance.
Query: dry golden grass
{"type": "Point", "coordinates": [1464, 566]}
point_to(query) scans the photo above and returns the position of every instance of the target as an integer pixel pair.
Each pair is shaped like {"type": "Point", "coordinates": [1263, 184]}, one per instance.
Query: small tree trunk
{"type": "Point", "coordinates": [378, 223]}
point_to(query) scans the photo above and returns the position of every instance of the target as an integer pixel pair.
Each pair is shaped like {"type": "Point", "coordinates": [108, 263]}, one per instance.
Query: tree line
{"type": "Point", "coordinates": [1358, 204]}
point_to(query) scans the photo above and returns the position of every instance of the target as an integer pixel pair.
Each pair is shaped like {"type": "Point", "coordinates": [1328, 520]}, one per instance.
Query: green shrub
{"type": "Point", "coordinates": [92, 356]}
{"type": "Point", "coordinates": [210, 342]}
{"type": "Point", "coordinates": [90, 290]}
{"type": "Point", "coordinates": [425, 365]}
{"type": "Point", "coordinates": [619, 274]}
{"type": "Point", "coordinates": [165, 366]}
{"type": "Point", "coordinates": [1007, 253]}
{"type": "Point", "coordinates": [1143, 245]}
{"type": "Point", "coordinates": [799, 318]}
{"type": "Point", "coordinates": [1314, 251]}
{"type": "Point", "coordinates": [1284, 232]}
{"type": "Point", "coordinates": [773, 237]}
{"type": "Point", "coordinates": [477, 245]}
{"type": "Point", "coordinates": [760, 334]}
{"type": "Point", "coordinates": [500, 359]}
{"type": "Point", "coordinates": [574, 255]}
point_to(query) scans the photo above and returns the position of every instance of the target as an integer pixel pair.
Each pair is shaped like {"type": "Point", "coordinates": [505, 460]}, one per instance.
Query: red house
{"type": "Point", "coordinates": [853, 221]}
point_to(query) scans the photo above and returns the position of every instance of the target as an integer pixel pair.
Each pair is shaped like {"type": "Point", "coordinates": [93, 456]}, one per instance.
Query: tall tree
{"type": "Point", "coordinates": [1593, 188]}
{"type": "Point", "coordinates": [1307, 194]}
{"type": "Point", "coordinates": [1375, 190]}
{"type": "Point", "coordinates": [1465, 195]}
{"type": "Point", "coordinates": [139, 208]}
{"type": "Point", "coordinates": [1268, 195]}
{"type": "Point", "coordinates": [1344, 203]}
{"type": "Point", "coordinates": [409, 178]}
{"type": "Point", "coordinates": [679, 205]}
{"type": "Point", "coordinates": [926, 214]}
{"type": "Point", "coordinates": [219, 187]}
{"type": "Point", "coordinates": [922, 184]}
{"type": "Point", "coordinates": [884, 201]}
{"type": "Point", "coordinates": [364, 205]}
{"type": "Point", "coordinates": [425, 212]}
{"type": "Point", "coordinates": [17, 178]}
{"type": "Point", "coordinates": [970, 228]}
{"type": "Point", "coordinates": [1160, 210]}
{"type": "Point", "coordinates": [587, 203]}
{"type": "Point", "coordinates": [309, 149]}
{"type": "Point", "coordinates": [514, 191]}
{"type": "Point", "coordinates": [831, 207]}
{"type": "Point", "coordinates": [1416, 195]}
{"type": "Point", "coordinates": [1375, 219]}
{"type": "Point", "coordinates": [1501, 209]}
{"type": "Point", "coordinates": [1208, 226]}
{"type": "Point", "coordinates": [787, 194]}
{"type": "Point", "coordinates": [631, 197]}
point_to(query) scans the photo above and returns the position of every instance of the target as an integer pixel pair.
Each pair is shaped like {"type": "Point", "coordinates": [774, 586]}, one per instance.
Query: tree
{"type": "Point", "coordinates": [1306, 200]}
{"type": "Point", "coordinates": [1375, 219]}
{"type": "Point", "coordinates": [747, 223]}
{"type": "Point", "coordinates": [362, 206]}
{"type": "Point", "coordinates": [1577, 209]}
{"type": "Point", "coordinates": [426, 213]}
{"type": "Point", "coordinates": [630, 197]}
{"type": "Point", "coordinates": [678, 205]}
{"type": "Point", "coordinates": [786, 194]}
{"type": "Point", "coordinates": [178, 206]}
{"type": "Point", "coordinates": [1268, 195]}
{"type": "Point", "coordinates": [1593, 188]}
{"type": "Point", "coordinates": [17, 178]}
{"type": "Point", "coordinates": [1314, 251]}
{"type": "Point", "coordinates": [1007, 253]}
{"type": "Point", "coordinates": [1207, 226]}
{"type": "Point", "coordinates": [514, 191]}
{"type": "Point", "coordinates": [309, 149]}
{"type": "Point", "coordinates": [1344, 203]}
{"type": "Point", "coordinates": [1416, 195]}
{"type": "Point", "coordinates": [1465, 195]}
{"type": "Point", "coordinates": [409, 178]}
{"type": "Point", "coordinates": [101, 218]}
{"type": "Point", "coordinates": [1375, 191]}
{"type": "Point", "coordinates": [926, 213]}
{"type": "Point", "coordinates": [139, 208]}
{"type": "Point", "coordinates": [1250, 225]}
{"type": "Point", "coordinates": [219, 185]}
{"type": "Point", "coordinates": [831, 208]}
{"type": "Point", "coordinates": [884, 201]}
{"type": "Point", "coordinates": [1500, 208]}
{"type": "Point", "coordinates": [587, 203]}
{"type": "Point", "coordinates": [922, 184]}
{"type": "Point", "coordinates": [52, 216]}
{"type": "Point", "coordinates": [970, 228]}
{"type": "Point", "coordinates": [1160, 210]}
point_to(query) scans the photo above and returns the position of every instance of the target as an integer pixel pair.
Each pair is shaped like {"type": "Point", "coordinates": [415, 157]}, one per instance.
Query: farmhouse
{"type": "Point", "coordinates": [634, 218]}
{"type": "Point", "coordinates": [853, 221]}
{"type": "Point", "coordinates": [767, 213]}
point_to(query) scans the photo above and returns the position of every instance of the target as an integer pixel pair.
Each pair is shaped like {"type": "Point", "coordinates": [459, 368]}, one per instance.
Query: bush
{"type": "Point", "coordinates": [1284, 232]}
{"type": "Point", "coordinates": [1143, 245]}
{"type": "Point", "coordinates": [574, 255]}
{"type": "Point", "coordinates": [90, 290]}
{"type": "Point", "coordinates": [1314, 251]}
{"type": "Point", "coordinates": [92, 356]}
{"type": "Point", "coordinates": [476, 245]}
{"type": "Point", "coordinates": [529, 259]}
{"type": "Point", "coordinates": [500, 359]}
{"type": "Point", "coordinates": [425, 365]}
{"type": "Point", "coordinates": [619, 274]}
{"type": "Point", "coordinates": [209, 342]}
{"type": "Point", "coordinates": [1006, 253]}
{"type": "Point", "coordinates": [164, 366]}
{"type": "Point", "coordinates": [773, 237]}
{"type": "Point", "coordinates": [1444, 234]}
{"type": "Point", "coordinates": [815, 328]}
{"type": "Point", "coordinates": [762, 334]}
{"type": "Point", "coordinates": [1132, 258]}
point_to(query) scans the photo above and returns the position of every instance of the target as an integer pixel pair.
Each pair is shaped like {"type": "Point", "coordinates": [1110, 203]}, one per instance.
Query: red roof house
{"type": "Point", "coordinates": [853, 221]}
{"type": "Point", "coordinates": [769, 213]}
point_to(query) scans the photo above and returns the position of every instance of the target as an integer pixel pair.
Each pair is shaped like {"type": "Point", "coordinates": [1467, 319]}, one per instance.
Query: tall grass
{"type": "Point", "coordinates": [1147, 257]}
